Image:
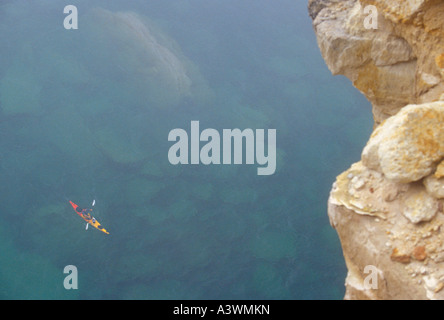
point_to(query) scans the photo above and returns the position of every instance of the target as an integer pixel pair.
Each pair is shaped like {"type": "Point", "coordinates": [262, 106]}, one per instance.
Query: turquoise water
{"type": "Point", "coordinates": [85, 114]}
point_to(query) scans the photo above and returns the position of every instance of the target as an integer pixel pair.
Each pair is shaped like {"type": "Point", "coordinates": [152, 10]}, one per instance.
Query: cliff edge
{"type": "Point", "coordinates": [388, 207]}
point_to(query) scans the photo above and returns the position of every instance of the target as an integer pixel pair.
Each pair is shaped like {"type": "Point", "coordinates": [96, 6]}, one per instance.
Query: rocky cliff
{"type": "Point", "coordinates": [388, 208]}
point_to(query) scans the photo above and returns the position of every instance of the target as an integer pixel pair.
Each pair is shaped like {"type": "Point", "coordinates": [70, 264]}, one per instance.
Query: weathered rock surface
{"type": "Point", "coordinates": [388, 208]}
{"type": "Point", "coordinates": [407, 147]}
{"type": "Point", "coordinates": [393, 227]}
{"type": "Point", "coordinates": [435, 186]}
{"type": "Point", "coordinates": [399, 63]}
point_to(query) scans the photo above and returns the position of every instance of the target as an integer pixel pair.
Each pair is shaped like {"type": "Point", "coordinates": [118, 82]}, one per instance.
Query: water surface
{"type": "Point", "coordinates": [85, 114]}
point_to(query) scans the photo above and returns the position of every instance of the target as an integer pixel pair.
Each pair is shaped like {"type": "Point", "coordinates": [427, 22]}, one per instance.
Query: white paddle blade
{"type": "Point", "coordinates": [94, 202]}
{"type": "Point", "coordinates": [87, 226]}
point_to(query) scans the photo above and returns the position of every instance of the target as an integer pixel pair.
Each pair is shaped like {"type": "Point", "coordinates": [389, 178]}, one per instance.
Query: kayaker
{"type": "Point", "coordinates": [86, 214]}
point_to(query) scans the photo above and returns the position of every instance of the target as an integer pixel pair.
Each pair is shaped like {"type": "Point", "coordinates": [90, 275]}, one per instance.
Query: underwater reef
{"type": "Point", "coordinates": [85, 115]}
{"type": "Point", "coordinates": [388, 208]}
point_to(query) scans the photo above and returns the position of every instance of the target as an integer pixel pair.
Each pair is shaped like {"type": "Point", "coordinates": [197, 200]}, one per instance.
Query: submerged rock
{"type": "Point", "coordinates": [148, 65]}
{"type": "Point", "coordinates": [140, 190]}
{"type": "Point", "coordinates": [30, 276]}
{"type": "Point", "coordinates": [20, 92]}
{"type": "Point", "coordinates": [118, 146]}
{"type": "Point", "coordinates": [273, 246]}
{"type": "Point", "coordinates": [268, 281]}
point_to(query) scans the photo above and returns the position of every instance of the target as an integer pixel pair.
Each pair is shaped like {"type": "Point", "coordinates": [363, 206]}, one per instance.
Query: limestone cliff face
{"type": "Point", "coordinates": [399, 63]}
{"type": "Point", "coordinates": [388, 208]}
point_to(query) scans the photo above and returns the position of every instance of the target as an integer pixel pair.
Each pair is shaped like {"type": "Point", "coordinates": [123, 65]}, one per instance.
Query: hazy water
{"type": "Point", "coordinates": [85, 114]}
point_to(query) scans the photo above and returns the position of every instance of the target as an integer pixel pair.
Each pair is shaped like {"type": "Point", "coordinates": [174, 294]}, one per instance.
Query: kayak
{"type": "Point", "coordinates": [89, 220]}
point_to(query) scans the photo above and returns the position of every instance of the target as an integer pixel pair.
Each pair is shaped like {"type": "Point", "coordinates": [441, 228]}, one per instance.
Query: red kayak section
{"type": "Point", "coordinates": [75, 208]}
